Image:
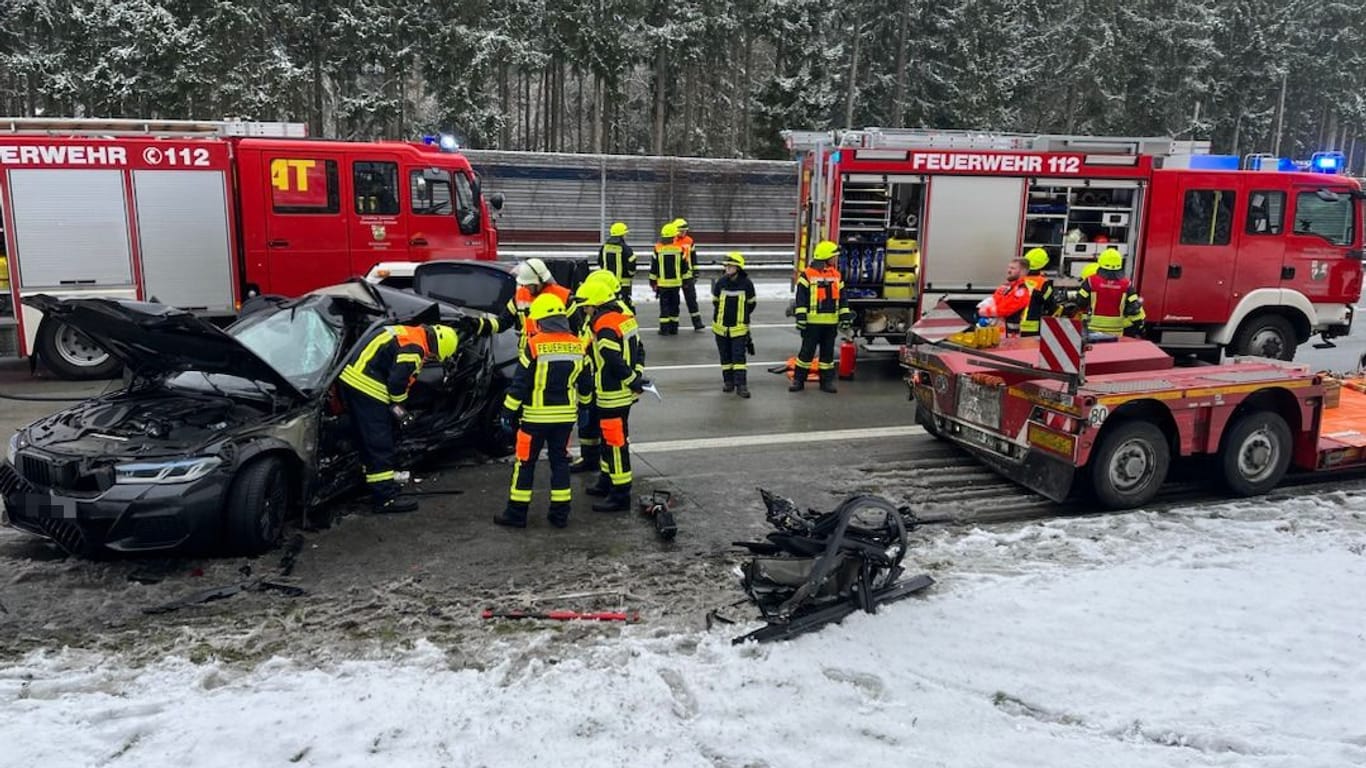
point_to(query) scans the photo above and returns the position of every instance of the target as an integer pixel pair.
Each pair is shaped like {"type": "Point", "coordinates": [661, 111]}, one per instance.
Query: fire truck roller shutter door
{"type": "Point", "coordinates": [972, 228]}
{"type": "Point", "coordinates": [70, 229]}
{"type": "Point", "coordinates": [182, 219]}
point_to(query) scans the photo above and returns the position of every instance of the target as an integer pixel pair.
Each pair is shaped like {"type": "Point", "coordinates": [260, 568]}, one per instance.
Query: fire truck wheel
{"type": "Point", "coordinates": [256, 506]}
{"type": "Point", "coordinates": [1266, 336]}
{"type": "Point", "coordinates": [1129, 464]}
{"type": "Point", "coordinates": [1255, 453]}
{"type": "Point", "coordinates": [71, 355]}
{"type": "Point", "coordinates": [927, 421]}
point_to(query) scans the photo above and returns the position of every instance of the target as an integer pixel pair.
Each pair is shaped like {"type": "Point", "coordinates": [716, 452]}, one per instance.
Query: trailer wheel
{"type": "Point", "coordinates": [926, 420]}
{"type": "Point", "coordinates": [1268, 335]}
{"type": "Point", "coordinates": [1129, 464]}
{"type": "Point", "coordinates": [1255, 453]}
{"type": "Point", "coordinates": [71, 355]}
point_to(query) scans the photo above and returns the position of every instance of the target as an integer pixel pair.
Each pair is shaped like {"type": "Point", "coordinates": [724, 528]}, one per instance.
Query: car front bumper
{"type": "Point", "coordinates": [146, 517]}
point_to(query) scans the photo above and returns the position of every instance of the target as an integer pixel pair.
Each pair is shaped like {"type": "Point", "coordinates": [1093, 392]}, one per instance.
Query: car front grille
{"type": "Point", "coordinates": [11, 483]}
{"type": "Point", "coordinates": [37, 470]}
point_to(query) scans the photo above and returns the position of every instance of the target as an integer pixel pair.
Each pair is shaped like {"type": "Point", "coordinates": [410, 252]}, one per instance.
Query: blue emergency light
{"type": "Point", "coordinates": [445, 142]}
{"type": "Point", "coordinates": [1327, 162]}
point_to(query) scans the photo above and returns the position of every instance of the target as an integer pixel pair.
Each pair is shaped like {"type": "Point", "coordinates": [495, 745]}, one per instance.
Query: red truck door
{"type": "Point", "coordinates": [1321, 229]}
{"type": "Point", "coordinates": [1203, 242]}
{"type": "Point", "coordinates": [306, 230]}
{"type": "Point", "coordinates": [434, 231]}
{"type": "Point", "coordinates": [1262, 240]}
{"type": "Point", "coordinates": [377, 228]}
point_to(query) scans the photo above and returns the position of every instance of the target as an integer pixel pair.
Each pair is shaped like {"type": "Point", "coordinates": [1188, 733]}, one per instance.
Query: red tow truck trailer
{"type": "Point", "coordinates": [1255, 262]}
{"type": "Point", "coordinates": [1128, 413]}
{"type": "Point", "coordinates": [202, 215]}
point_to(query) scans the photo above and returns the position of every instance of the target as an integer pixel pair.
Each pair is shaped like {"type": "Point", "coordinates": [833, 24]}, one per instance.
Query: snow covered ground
{"type": "Point", "coordinates": [1223, 635]}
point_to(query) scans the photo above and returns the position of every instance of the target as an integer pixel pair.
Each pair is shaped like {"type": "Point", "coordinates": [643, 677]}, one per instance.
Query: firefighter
{"type": "Point", "coordinates": [685, 241]}
{"type": "Point", "coordinates": [617, 258]}
{"type": "Point", "coordinates": [666, 278]}
{"type": "Point", "coordinates": [1010, 300]}
{"type": "Point", "coordinates": [733, 302]}
{"type": "Point", "coordinates": [590, 430]}
{"type": "Point", "coordinates": [542, 405]}
{"type": "Point", "coordinates": [821, 308]}
{"type": "Point", "coordinates": [533, 279]}
{"type": "Point", "coordinates": [1109, 300]}
{"type": "Point", "coordinates": [618, 362]}
{"type": "Point", "coordinates": [1042, 302]}
{"type": "Point", "coordinates": [375, 383]}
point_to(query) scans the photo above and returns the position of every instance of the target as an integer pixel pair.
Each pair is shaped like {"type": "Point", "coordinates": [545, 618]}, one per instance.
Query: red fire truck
{"type": "Point", "coordinates": [204, 215]}
{"type": "Point", "coordinates": [1253, 261]}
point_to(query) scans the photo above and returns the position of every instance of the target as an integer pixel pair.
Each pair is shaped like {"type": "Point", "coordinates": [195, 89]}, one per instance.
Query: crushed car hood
{"type": "Point", "coordinates": [156, 340]}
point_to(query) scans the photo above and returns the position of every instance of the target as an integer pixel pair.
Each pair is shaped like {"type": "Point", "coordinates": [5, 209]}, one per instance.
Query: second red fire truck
{"type": "Point", "coordinates": [1252, 262]}
{"type": "Point", "coordinates": [204, 215]}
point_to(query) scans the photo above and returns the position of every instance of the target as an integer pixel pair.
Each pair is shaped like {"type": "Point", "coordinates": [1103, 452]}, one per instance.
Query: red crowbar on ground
{"type": "Point", "coordinates": [630, 617]}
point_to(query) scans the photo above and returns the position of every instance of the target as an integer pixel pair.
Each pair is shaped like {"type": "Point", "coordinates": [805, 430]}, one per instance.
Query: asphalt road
{"type": "Point", "coordinates": [375, 581]}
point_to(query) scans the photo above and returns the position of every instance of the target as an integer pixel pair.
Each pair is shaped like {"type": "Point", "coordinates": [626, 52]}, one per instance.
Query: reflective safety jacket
{"type": "Point", "coordinates": [1007, 303]}
{"type": "Point", "coordinates": [820, 297]}
{"type": "Point", "coordinates": [388, 362]}
{"type": "Point", "coordinates": [618, 357]}
{"type": "Point", "coordinates": [686, 243]}
{"type": "Point", "coordinates": [733, 303]}
{"type": "Point", "coordinates": [550, 382]}
{"type": "Point", "coordinates": [1042, 303]}
{"type": "Point", "coordinates": [666, 268]}
{"type": "Point", "coordinates": [1113, 303]}
{"type": "Point", "coordinates": [515, 314]}
{"type": "Point", "coordinates": [619, 259]}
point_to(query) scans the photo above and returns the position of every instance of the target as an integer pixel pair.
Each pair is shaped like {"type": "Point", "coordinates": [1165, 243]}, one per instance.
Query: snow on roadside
{"type": "Point", "coordinates": [1225, 635]}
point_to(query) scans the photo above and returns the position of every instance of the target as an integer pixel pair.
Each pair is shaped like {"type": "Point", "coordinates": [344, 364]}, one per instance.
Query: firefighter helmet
{"type": "Point", "coordinates": [734, 259]}
{"type": "Point", "coordinates": [825, 250]}
{"type": "Point", "coordinates": [546, 305]}
{"type": "Point", "coordinates": [669, 231]}
{"type": "Point", "coordinates": [1089, 269]}
{"type": "Point", "coordinates": [594, 292]}
{"type": "Point", "coordinates": [618, 229]}
{"type": "Point", "coordinates": [446, 341]}
{"type": "Point", "coordinates": [606, 278]}
{"type": "Point", "coordinates": [1110, 259]}
{"type": "Point", "coordinates": [682, 225]}
{"type": "Point", "coordinates": [1037, 258]}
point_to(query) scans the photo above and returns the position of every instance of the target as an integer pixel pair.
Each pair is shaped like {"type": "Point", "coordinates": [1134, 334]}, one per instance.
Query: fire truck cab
{"type": "Point", "coordinates": [1252, 261]}
{"type": "Point", "coordinates": [204, 215]}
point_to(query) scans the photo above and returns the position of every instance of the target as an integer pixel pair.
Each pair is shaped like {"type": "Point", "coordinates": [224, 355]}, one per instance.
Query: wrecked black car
{"type": "Point", "coordinates": [219, 434]}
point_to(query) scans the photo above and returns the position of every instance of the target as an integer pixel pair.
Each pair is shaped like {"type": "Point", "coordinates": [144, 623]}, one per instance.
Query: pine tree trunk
{"type": "Point", "coordinates": [505, 98]}
{"type": "Point", "coordinates": [903, 29]}
{"type": "Point", "coordinates": [596, 121]}
{"type": "Point", "coordinates": [661, 98]}
{"type": "Point", "coordinates": [578, 111]}
{"type": "Point", "coordinates": [852, 83]}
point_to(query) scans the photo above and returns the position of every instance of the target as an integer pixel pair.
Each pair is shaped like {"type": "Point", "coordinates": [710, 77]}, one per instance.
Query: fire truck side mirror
{"type": "Point", "coordinates": [1356, 254]}
{"type": "Point", "coordinates": [496, 200]}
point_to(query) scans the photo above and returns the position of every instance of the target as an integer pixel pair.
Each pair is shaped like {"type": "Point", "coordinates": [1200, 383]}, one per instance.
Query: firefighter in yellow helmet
{"type": "Point", "coordinates": [374, 386]}
{"type": "Point", "coordinates": [666, 277]}
{"type": "Point", "coordinates": [590, 428]}
{"type": "Point", "coordinates": [1109, 300]}
{"type": "Point", "coordinates": [617, 258]}
{"type": "Point", "coordinates": [542, 405]}
{"type": "Point", "coordinates": [685, 241]}
{"type": "Point", "coordinates": [618, 377]}
{"type": "Point", "coordinates": [821, 309]}
{"type": "Point", "coordinates": [1042, 302]}
{"type": "Point", "coordinates": [733, 302]}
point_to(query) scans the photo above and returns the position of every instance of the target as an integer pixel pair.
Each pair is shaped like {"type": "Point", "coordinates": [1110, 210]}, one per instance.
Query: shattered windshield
{"type": "Point", "coordinates": [300, 342]}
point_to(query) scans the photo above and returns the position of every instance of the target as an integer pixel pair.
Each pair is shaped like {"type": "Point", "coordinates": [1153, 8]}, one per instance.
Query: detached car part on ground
{"type": "Point", "coordinates": [219, 434]}
{"type": "Point", "coordinates": [816, 568]}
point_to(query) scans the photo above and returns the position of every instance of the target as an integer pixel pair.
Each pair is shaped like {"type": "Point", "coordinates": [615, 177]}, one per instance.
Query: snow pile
{"type": "Point", "coordinates": [1229, 635]}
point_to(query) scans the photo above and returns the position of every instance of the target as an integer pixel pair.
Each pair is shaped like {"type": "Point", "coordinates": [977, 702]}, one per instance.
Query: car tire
{"type": "Point", "coordinates": [925, 420]}
{"type": "Point", "coordinates": [1268, 335]}
{"type": "Point", "coordinates": [1129, 464]}
{"type": "Point", "coordinates": [71, 355]}
{"type": "Point", "coordinates": [256, 508]}
{"type": "Point", "coordinates": [1255, 453]}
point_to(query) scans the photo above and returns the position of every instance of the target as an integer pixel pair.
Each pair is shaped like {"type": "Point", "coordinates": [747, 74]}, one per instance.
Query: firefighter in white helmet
{"type": "Point", "coordinates": [533, 279]}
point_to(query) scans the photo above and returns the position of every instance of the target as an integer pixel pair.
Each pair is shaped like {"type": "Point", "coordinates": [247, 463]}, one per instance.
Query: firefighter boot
{"type": "Point", "coordinates": [828, 382]}
{"type": "Point", "coordinates": [559, 514]}
{"type": "Point", "coordinates": [619, 500]}
{"type": "Point", "coordinates": [513, 516]}
{"type": "Point", "coordinates": [727, 381]}
{"type": "Point", "coordinates": [798, 380]}
{"type": "Point", "coordinates": [603, 487]}
{"type": "Point", "coordinates": [742, 391]}
{"type": "Point", "coordinates": [386, 501]}
{"type": "Point", "coordinates": [588, 460]}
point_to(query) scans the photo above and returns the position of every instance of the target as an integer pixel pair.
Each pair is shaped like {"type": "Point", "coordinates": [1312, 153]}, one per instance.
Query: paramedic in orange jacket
{"type": "Point", "coordinates": [1011, 300]}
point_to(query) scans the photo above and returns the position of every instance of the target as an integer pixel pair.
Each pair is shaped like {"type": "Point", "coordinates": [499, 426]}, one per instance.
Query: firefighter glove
{"type": "Point", "coordinates": [639, 384]}
{"type": "Point", "coordinates": [401, 415]}
{"type": "Point", "coordinates": [749, 344]}
{"type": "Point", "coordinates": [585, 418]}
{"type": "Point", "coordinates": [801, 323]}
{"type": "Point", "coordinates": [508, 422]}
{"type": "Point", "coordinates": [654, 287]}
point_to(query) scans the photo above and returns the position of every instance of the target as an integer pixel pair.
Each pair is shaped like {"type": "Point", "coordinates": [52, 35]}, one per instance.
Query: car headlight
{"type": "Point", "coordinates": [177, 471]}
{"type": "Point", "coordinates": [15, 443]}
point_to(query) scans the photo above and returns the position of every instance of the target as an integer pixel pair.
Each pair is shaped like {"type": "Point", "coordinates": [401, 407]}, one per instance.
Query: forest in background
{"type": "Point", "coordinates": [714, 78]}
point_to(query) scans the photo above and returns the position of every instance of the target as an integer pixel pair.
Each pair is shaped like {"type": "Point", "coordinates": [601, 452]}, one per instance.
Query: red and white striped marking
{"type": "Point", "coordinates": [1060, 345]}
{"type": "Point", "coordinates": [939, 323]}
{"type": "Point", "coordinates": [1057, 421]}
